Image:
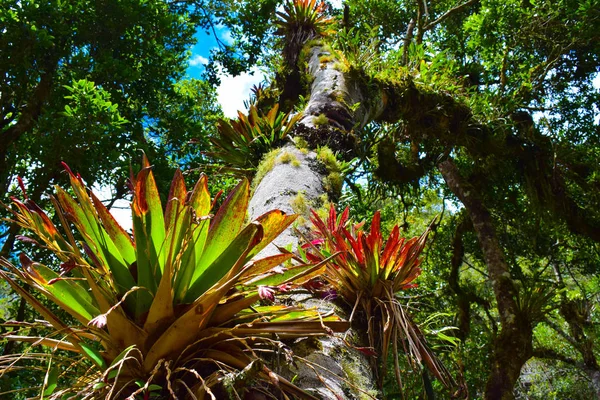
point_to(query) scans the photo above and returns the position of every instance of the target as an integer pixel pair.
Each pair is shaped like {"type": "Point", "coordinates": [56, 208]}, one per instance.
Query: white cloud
{"type": "Point", "coordinates": [120, 210]}
{"type": "Point", "coordinates": [226, 37]}
{"type": "Point", "coordinates": [337, 4]}
{"type": "Point", "coordinates": [198, 60]}
{"type": "Point", "coordinates": [234, 90]}
{"type": "Point", "coordinates": [224, 34]}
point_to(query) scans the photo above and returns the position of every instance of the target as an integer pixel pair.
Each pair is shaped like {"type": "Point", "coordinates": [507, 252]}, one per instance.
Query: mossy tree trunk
{"type": "Point", "coordinates": [294, 181]}
{"type": "Point", "coordinates": [332, 113]}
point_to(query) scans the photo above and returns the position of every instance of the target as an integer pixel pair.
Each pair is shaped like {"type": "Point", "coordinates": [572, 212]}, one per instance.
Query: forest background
{"type": "Point", "coordinates": [483, 113]}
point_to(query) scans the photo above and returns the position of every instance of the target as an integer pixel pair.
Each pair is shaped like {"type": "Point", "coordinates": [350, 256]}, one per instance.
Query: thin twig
{"type": "Point", "coordinates": [448, 13]}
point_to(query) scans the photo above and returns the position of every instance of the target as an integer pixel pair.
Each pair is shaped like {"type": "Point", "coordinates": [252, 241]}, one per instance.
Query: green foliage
{"type": "Point", "coordinates": [250, 25]}
{"type": "Point", "coordinates": [302, 17]}
{"type": "Point", "coordinates": [86, 99]}
{"type": "Point", "coordinates": [242, 143]}
{"type": "Point", "coordinates": [300, 21]}
{"type": "Point", "coordinates": [165, 304]}
{"type": "Point", "coordinates": [91, 82]}
{"type": "Point", "coordinates": [186, 118]}
{"type": "Point", "coordinates": [503, 87]}
{"type": "Point", "coordinates": [359, 50]}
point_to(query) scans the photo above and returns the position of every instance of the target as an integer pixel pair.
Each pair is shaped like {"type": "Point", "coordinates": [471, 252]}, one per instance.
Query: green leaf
{"type": "Point", "coordinates": [122, 355]}
{"type": "Point", "coordinates": [68, 294]}
{"type": "Point", "coordinates": [288, 275]}
{"type": "Point", "coordinates": [225, 227]}
{"type": "Point", "coordinates": [94, 355]}
{"type": "Point", "coordinates": [235, 255]}
{"type": "Point", "coordinates": [51, 382]}
{"type": "Point", "coordinates": [121, 239]}
{"type": "Point", "coordinates": [149, 234]}
{"type": "Point", "coordinates": [84, 216]}
{"type": "Point", "coordinates": [191, 253]}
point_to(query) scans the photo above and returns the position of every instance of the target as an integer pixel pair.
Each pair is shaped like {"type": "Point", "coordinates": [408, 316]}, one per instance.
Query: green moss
{"type": "Point", "coordinates": [323, 213]}
{"type": "Point", "coordinates": [300, 221]}
{"type": "Point", "coordinates": [337, 95]}
{"type": "Point", "coordinates": [325, 58]}
{"type": "Point", "coordinates": [285, 157]}
{"type": "Point", "coordinates": [340, 66]}
{"type": "Point", "coordinates": [301, 143]}
{"type": "Point", "coordinates": [266, 164]}
{"type": "Point", "coordinates": [321, 120]}
{"type": "Point", "coordinates": [352, 369]}
{"type": "Point", "coordinates": [333, 182]}
{"type": "Point", "coordinates": [322, 200]}
{"type": "Point", "coordinates": [323, 210]}
{"type": "Point", "coordinates": [300, 204]}
{"type": "Point", "coordinates": [327, 158]}
{"type": "Point", "coordinates": [288, 158]}
{"type": "Point", "coordinates": [313, 43]}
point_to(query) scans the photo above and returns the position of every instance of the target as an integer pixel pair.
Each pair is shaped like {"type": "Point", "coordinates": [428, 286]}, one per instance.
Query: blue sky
{"type": "Point", "coordinates": [231, 95]}
{"type": "Point", "coordinates": [233, 90]}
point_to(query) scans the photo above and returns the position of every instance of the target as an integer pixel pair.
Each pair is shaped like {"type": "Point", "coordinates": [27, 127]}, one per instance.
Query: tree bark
{"type": "Point", "coordinates": [334, 371]}
{"type": "Point", "coordinates": [332, 95]}
{"type": "Point", "coordinates": [331, 370]}
{"type": "Point", "coordinates": [513, 345]}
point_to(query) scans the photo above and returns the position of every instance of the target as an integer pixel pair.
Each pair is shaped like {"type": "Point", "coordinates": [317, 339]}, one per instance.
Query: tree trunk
{"type": "Point", "coordinates": [513, 345]}
{"type": "Point", "coordinates": [577, 315]}
{"type": "Point", "coordinates": [334, 370]}
{"type": "Point", "coordinates": [331, 370]}
{"type": "Point", "coordinates": [332, 95]}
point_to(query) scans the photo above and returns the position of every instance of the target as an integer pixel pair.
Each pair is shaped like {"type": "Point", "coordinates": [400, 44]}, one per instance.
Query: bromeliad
{"type": "Point", "coordinates": [170, 310]}
{"type": "Point", "coordinates": [367, 273]}
{"type": "Point", "coordinates": [242, 143]}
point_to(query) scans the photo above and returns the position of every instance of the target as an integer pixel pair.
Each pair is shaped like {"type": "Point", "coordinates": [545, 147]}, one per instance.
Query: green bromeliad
{"type": "Point", "coordinates": [170, 310]}
{"type": "Point", "coordinates": [242, 143]}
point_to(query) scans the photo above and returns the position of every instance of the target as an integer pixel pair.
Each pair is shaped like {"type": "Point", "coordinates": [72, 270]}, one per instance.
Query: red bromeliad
{"type": "Point", "coordinates": [367, 274]}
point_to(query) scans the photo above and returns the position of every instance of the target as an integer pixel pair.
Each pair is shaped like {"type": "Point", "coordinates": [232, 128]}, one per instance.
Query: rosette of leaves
{"type": "Point", "coordinates": [367, 273]}
{"type": "Point", "coordinates": [242, 143]}
{"type": "Point", "coordinates": [169, 311]}
{"type": "Point", "coordinates": [301, 21]}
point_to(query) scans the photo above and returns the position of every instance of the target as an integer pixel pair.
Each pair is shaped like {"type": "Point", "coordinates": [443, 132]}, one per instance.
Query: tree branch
{"type": "Point", "coordinates": [561, 332]}
{"type": "Point", "coordinates": [420, 21]}
{"type": "Point", "coordinates": [551, 354]}
{"type": "Point", "coordinates": [407, 39]}
{"type": "Point", "coordinates": [448, 13]}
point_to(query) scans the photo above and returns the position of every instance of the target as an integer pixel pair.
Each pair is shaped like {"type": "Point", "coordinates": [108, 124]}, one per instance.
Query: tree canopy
{"type": "Point", "coordinates": [481, 116]}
